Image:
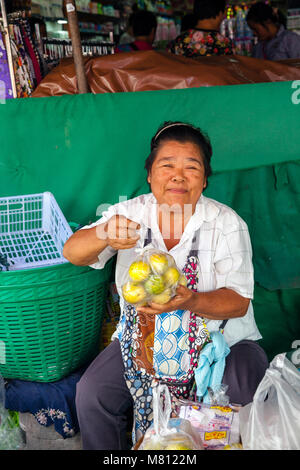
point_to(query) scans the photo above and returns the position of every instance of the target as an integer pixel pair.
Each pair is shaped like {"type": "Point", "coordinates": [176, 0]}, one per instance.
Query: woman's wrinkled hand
{"type": "Point", "coordinates": [183, 300]}
{"type": "Point", "coordinates": [119, 232]}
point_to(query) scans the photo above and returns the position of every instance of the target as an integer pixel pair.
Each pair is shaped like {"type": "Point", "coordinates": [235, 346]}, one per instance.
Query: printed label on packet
{"type": "Point", "coordinates": [215, 435]}
{"type": "Point", "coordinates": [225, 409]}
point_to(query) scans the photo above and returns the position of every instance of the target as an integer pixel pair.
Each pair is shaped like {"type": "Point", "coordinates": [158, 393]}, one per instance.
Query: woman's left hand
{"type": "Point", "coordinates": [183, 300]}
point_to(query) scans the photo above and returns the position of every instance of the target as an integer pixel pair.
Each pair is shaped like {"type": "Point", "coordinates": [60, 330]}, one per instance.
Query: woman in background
{"type": "Point", "coordinates": [275, 42]}
{"type": "Point", "coordinates": [203, 38]}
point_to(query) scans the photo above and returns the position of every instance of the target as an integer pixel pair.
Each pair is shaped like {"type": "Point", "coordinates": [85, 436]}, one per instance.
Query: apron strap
{"type": "Point", "coordinates": [148, 238]}
{"type": "Point", "coordinates": [223, 324]}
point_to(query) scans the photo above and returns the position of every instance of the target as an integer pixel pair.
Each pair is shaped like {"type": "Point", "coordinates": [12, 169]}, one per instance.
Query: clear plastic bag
{"type": "Point", "coordinates": [271, 421]}
{"type": "Point", "coordinates": [217, 426]}
{"type": "Point", "coordinates": [168, 433]}
{"type": "Point", "coordinates": [11, 437]}
{"type": "Point", "coordinates": [152, 277]}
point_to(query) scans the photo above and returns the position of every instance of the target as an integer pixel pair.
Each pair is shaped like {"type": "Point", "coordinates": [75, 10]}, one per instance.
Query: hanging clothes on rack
{"type": "Point", "coordinates": [55, 49]}
{"type": "Point", "coordinates": [28, 65]}
{"type": "Point", "coordinates": [5, 80]}
{"type": "Point", "coordinates": [23, 66]}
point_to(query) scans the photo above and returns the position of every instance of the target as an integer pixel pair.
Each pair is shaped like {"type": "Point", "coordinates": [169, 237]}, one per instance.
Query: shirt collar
{"type": "Point", "coordinates": [206, 210]}
{"type": "Point", "coordinates": [280, 31]}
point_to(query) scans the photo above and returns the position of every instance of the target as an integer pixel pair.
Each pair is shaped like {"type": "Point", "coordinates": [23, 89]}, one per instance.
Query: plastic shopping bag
{"type": "Point", "coordinates": [10, 433]}
{"type": "Point", "coordinates": [152, 277]}
{"type": "Point", "coordinates": [271, 421]}
{"type": "Point", "coordinates": [168, 433]}
{"type": "Point", "coordinates": [217, 426]}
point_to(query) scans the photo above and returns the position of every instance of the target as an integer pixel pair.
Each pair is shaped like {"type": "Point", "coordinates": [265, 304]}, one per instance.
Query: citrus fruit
{"type": "Point", "coordinates": [133, 293]}
{"type": "Point", "coordinates": [177, 447]}
{"type": "Point", "coordinates": [182, 280]}
{"type": "Point", "coordinates": [154, 285]}
{"type": "Point", "coordinates": [171, 276]}
{"type": "Point", "coordinates": [162, 298]}
{"type": "Point", "coordinates": [139, 271]}
{"type": "Point", "coordinates": [159, 263]}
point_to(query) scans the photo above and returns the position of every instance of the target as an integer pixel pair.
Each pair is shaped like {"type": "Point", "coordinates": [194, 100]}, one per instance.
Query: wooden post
{"type": "Point", "coordinates": [76, 45]}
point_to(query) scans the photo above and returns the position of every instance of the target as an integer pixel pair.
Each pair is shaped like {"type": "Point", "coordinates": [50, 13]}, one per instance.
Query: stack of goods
{"type": "Point", "coordinates": [235, 27]}
{"type": "Point", "coordinates": [85, 6]}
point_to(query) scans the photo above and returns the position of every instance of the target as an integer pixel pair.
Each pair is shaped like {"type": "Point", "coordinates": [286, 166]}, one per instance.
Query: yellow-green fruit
{"type": "Point", "coordinates": [182, 280]}
{"type": "Point", "coordinates": [177, 447]}
{"type": "Point", "coordinates": [133, 293]}
{"type": "Point", "coordinates": [171, 276]}
{"type": "Point", "coordinates": [139, 271]}
{"type": "Point", "coordinates": [153, 446]}
{"type": "Point", "coordinates": [162, 298]}
{"type": "Point", "coordinates": [154, 285]}
{"type": "Point", "coordinates": [159, 263]}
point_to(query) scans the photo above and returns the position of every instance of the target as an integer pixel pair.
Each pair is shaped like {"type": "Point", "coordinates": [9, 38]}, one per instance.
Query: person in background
{"type": "Point", "coordinates": [204, 39]}
{"type": "Point", "coordinates": [143, 24]}
{"type": "Point", "coordinates": [127, 36]}
{"type": "Point", "coordinates": [189, 21]}
{"type": "Point", "coordinates": [275, 42]}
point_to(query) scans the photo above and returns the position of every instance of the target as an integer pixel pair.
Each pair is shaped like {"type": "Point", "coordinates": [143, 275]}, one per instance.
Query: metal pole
{"type": "Point", "coordinates": [8, 49]}
{"type": "Point", "coordinates": [76, 45]}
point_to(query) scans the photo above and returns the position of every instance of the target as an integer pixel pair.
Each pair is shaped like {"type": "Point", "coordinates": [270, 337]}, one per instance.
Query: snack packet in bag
{"type": "Point", "coordinates": [168, 433]}
{"type": "Point", "coordinates": [152, 277]}
{"type": "Point", "coordinates": [218, 426]}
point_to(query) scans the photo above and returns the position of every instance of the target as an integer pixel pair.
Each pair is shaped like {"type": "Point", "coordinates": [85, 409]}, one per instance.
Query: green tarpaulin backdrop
{"type": "Point", "coordinates": [89, 150]}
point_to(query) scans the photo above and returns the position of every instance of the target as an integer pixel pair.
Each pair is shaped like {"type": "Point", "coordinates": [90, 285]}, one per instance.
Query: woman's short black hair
{"type": "Point", "coordinates": [260, 13]}
{"type": "Point", "coordinates": [206, 9]}
{"type": "Point", "coordinates": [181, 132]}
{"type": "Point", "coordinates": [142, 22]}
{"type": "Point", "coordinates": [189, 21]}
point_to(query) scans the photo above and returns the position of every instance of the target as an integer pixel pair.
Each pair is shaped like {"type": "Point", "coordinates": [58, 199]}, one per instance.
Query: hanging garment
{"type": "Point", "coordinates": [211, 366]}
{"type": "Point", "coordinates": [50, 403]}
{"type": "Point", "coordinates": [23, 76]}
{"type": "Point", "coordinates": [5, 79]}
{"type": "Point", "coordinates": [30, 51]}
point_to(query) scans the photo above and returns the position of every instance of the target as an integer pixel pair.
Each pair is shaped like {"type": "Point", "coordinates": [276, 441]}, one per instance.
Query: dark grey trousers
{"type": "Point", "coordinates": [104, 404]}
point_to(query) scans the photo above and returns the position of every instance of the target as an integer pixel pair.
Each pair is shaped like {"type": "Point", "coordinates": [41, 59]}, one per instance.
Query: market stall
{"type": "Point", "coordinates": [258, 174]}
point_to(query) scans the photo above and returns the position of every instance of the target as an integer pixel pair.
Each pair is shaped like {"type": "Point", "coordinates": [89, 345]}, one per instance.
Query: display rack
{"type": "Point", "coordinates": [56, 49]}
{"type": "Point", "coordinates": [293, 20]}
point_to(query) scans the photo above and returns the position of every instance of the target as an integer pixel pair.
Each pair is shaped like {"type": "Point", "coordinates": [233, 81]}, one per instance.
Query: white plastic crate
{"type": "Point", "coordinates": [33, 231]}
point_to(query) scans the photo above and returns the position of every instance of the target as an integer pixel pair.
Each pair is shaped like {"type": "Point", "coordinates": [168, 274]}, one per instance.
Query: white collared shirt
{"type": "Point", "coordinates": [224, 252]}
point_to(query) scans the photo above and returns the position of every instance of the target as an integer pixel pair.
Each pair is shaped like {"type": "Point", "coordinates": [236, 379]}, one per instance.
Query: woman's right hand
{"type": "Point", "coordinates": [119, 232]}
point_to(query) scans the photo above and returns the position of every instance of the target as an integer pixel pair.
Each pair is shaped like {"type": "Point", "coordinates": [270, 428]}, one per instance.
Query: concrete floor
{"type": "Point", "coordinates": [38, 437]}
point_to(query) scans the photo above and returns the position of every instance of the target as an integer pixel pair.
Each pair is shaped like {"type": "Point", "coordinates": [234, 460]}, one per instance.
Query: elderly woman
{"type": "Point", "coordinates": [210, 244]}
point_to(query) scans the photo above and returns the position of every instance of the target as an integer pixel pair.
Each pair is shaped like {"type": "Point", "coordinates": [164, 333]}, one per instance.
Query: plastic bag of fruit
{"type": "Point", "coordinates": [152, 277]}
{"type": "Point", "coordinates": [168, 433]}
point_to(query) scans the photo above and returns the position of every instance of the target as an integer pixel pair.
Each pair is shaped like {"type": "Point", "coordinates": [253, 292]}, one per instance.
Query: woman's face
{"type": "Point", "coordinates": [263, 32]}
{"type": "Point", "coordinates": [177, 175]}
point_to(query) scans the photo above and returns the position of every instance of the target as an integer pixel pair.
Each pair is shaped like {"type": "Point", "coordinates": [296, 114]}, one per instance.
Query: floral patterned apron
{"type": "Point", "coordinates": [150, 351]}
